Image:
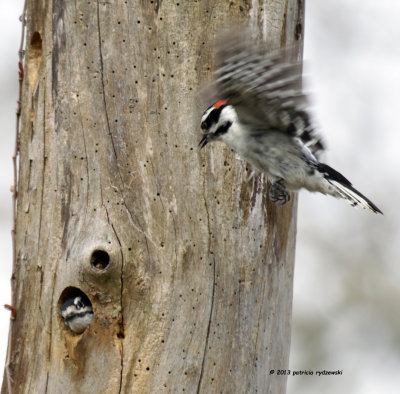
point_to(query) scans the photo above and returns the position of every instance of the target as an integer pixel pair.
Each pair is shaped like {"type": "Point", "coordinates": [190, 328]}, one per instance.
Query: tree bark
{"type": "Point", "coordinates": [188, 266]}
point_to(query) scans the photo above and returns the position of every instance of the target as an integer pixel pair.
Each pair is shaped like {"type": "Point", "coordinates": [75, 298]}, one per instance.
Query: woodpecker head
{"type": "Point", "coordinates": [77, 313]}
{"type": "Point", "coordinates": [216, 122]}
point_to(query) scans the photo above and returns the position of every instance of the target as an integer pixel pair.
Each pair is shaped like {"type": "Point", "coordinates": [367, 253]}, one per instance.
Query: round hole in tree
{"type": "Point", "coordinates": [75, 309]}
{"type": "Point", "coordinates": [100, 259]}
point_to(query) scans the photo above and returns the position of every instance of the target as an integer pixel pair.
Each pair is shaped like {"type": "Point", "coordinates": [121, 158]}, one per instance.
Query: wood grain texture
{"type": "Point", "coordinates": [197, 295]}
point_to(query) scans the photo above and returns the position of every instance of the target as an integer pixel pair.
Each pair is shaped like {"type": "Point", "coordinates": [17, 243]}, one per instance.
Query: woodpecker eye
{"type": "Point", "coordinates": [78, 303]}
{"type": "Point", "coordinates": [212, 117]}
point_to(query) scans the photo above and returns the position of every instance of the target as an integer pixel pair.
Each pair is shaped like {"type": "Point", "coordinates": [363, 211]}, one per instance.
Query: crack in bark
{"type": "Point", "coordinates": [103, 87]}
{"type": "Point", "coordinates": [86, 155]}
{"type": "Point", "coordinates": [43, 174]}
{"type": "Point", "coordinates": [122, 309]}
{"type": "Point", "coordinates": [50, 331]}
{"type": "Point", "coordinates": [121, 297]}
{"type": "Point", "coordinates": [208, 332]}
{"type": "Point", "coordinates": [212, 298]}
{"type": "Point", "coordinates": [212, 294]}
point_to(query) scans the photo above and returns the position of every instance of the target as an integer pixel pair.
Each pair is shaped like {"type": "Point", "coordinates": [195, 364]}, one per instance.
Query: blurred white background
{"type": "Point", "coordinates": [346, 307]}
{"type": "Point", "coordinates": [346, 313]}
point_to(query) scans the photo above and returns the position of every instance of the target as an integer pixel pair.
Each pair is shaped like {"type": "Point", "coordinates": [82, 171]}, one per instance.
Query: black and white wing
{"type": "Point", "coordinates": [265, 88]}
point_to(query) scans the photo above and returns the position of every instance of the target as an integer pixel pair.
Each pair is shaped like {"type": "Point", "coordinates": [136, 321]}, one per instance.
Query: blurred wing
{"type": "Point", "coordinates": [265, 88]}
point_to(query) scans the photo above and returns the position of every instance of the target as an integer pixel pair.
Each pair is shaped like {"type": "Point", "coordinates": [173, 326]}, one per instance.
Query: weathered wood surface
{"type": "Point", "coordinates": [197, 295]}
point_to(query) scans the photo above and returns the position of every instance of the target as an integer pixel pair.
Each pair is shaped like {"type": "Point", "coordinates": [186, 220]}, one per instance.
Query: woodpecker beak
{"type": "Point", "coordinates": [204, 141]}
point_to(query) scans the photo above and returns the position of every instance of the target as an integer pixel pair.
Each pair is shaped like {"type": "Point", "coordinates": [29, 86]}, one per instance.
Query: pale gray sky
{"type": "Point", "coordinates": [346, 299]}
{"type": "Point", "coordinates": [346, 312]}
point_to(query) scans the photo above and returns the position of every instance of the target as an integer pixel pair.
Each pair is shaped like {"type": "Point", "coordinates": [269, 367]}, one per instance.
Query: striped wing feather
{"type": "Point", "coordinates": [265, 88]}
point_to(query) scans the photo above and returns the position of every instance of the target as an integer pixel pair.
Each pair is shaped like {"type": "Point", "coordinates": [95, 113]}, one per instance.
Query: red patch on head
{"type": "Point", "coordinates": [219, 103]}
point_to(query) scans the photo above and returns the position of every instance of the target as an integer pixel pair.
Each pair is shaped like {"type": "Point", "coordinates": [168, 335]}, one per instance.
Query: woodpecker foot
{"type": "Point", "coordinates": [278, 192]}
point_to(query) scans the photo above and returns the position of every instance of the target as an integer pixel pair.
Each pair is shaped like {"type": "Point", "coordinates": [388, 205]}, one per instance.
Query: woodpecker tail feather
{"type": "Point", "coordinates": [345, 189]}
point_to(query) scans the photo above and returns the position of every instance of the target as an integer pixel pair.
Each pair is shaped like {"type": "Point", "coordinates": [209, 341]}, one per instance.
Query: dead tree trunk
{"type": "Point", "coordinates": [188, 267]}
